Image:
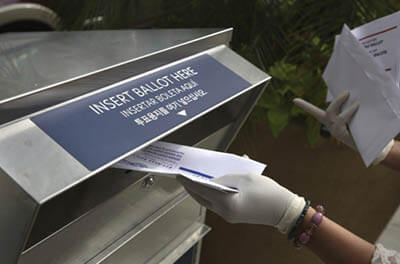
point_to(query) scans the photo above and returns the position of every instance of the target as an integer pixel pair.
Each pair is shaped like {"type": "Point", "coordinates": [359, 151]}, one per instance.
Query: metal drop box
{"type": "Point", "coordinates": [55, 207]}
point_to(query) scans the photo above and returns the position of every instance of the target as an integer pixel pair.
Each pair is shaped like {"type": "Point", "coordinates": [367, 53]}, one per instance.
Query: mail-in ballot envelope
{"type": "Point", "coordinates": [196, 164]}
{"type": "Point", "coordinates": [353, 68]}
{"type": "Point", "coordinates": [380, 38]}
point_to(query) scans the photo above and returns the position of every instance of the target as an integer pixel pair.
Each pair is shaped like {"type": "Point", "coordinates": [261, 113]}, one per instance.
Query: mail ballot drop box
{"type": "Point", "coordinates": [74, 103]}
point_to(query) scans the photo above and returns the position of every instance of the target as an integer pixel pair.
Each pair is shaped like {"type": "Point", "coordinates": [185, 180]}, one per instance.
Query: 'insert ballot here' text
{"type": "Point", "coordinates": [162, 95]}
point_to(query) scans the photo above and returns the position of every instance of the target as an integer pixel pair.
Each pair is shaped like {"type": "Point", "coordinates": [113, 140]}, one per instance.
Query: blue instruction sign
{"type": "Point", "coordinates": [102, 127]}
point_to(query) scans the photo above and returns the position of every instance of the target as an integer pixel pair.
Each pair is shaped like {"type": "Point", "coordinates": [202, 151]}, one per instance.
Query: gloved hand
{"type": "Point", "coordinates": [333, 118]}
{"type": "Point", "coordinates": [260, 200]}
{"type": "Point", "coordinates": [336, 121]}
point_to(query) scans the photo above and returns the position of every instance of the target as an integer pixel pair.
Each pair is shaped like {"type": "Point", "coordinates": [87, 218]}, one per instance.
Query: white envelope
{"type": "Point", "coordinates": [329, 96]}
{"type": "Point", "coordinates": [352, 68]}
{"type": "Point", "coordinates": [196, 164]}
{"type": "Point", "coordinates": [380, 37]}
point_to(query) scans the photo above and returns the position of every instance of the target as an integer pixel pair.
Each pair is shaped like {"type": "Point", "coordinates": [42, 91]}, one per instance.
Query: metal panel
{"type": "Point", "coordinates": [218, 140]}
{"type": "Point", "coordinates": [36, 162]}
{"type": "Point", "coordinates": [135, 208]}
{"type": "Point", "coordinates": [116, 222]}
{"type": "Point", "coordinates": [239, 65]}
{"type": "Point", "coordinates": [17, 212]}
{"type": "Point", "coordinates": [73, 173]}
{"type": "Point", "coordinates": [78, 201]}
{"type": "Point", "coordinates": [36, 170]}
{"type": "Point", "coordinates": [213, 131]}
{"type": "Point", "coordinates": [79, 64]}
{"type": "Point", "coordinates": [181, 244]}
{"type": "Point", "coordinates": [158, 244]}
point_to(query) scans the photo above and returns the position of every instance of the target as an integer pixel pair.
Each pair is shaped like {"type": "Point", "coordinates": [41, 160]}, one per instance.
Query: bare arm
{"type": "Point", "coordinates": [334, 244]}
{"type": "Point", "coordinates": [392, 160]}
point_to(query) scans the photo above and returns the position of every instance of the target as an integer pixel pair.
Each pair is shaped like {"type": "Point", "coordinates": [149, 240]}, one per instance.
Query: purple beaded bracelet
{"type": "Point", "coordinates": [316, 220]}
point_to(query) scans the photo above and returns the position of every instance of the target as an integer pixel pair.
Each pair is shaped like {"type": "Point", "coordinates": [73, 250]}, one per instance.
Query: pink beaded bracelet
{"type": "Point", "coordinates": [316, 220]}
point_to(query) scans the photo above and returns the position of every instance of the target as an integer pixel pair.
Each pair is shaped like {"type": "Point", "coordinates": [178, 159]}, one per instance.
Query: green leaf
{"type": "Point", "coordinates": [278, 119]}
{"type": "Point", "coordinates": [296, 111]}
{"type": "Point", "coordinates": [270, 99]}
{"type": "Point", "coordinates": [316, 41]}
{"type": "Point", "coordinates": [282, 70]}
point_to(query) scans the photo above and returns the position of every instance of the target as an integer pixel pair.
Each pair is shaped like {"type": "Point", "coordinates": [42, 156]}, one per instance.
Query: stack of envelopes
{"type": "Point", "coordinates": [365, 62]}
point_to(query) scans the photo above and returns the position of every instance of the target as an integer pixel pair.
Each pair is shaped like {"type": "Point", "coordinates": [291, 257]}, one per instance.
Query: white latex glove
{"type": "Point", "coordinates": [260, 200]}
{"type": "Point", "coordinates": [333, 118]}
{"type": "Point", "coordinates": [336, 120]}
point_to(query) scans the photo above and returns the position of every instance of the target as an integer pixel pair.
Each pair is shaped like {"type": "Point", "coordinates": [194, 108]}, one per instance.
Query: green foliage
{"type": "Point", "coordinates": [292, 40]}
{"type": "Point", "coordinates": [294, 44]}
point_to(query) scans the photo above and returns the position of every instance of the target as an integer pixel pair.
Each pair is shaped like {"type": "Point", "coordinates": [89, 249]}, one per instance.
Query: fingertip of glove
{"type": "Point", "coordinates": [344, 95]}
{"type": "Point", "coordinates": [356, 104]}
{"type": "Point", "coordinates": [345, 92]}
{"type": "Point", "coordinates": [297, 100]}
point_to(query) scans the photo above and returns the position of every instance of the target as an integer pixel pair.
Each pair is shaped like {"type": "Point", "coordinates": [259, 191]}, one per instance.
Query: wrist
{"type": "Point", "coordinates": [384, 153]}
{"type": "Point", "coordinates": [307, 220]}
{"type": "Point", "coordinates": [312, 220]}
{"type": "Point", "coordinates": [292, 214]}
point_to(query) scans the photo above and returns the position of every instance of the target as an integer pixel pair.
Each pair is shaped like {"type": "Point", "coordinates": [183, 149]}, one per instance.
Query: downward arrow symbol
{"type": "Point", "coordinates": [182, 113]}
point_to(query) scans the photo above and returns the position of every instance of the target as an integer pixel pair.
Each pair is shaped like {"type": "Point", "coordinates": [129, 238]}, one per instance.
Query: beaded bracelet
{"type": "Point", "coordinates": [299, 220]}
{"type": "Point", "coordinates": [316, 220]}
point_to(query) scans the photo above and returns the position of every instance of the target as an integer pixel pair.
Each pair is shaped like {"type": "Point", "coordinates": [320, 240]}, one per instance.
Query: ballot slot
{"type": "Point", "coordinates": [57, 199]}
{"type": "Point", "coordinates": [78, 201]}
{"type": "Point", "coordinates": [74, 232]}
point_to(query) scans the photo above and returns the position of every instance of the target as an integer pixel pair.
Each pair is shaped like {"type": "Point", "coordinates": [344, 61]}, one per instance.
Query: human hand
{"type": "Point", "coordinates": [260, 200]}
{"type": "Point", "coordinates": [333, 118]}
{"type": "Point", "coordinates": [336, 121]}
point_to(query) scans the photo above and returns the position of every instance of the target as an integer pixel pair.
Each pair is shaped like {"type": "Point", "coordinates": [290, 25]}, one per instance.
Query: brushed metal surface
{"type": "Point", "coordinates": [135, 208]}
{"type": "Point", "coordinates": [213, 131]}
{"type": "Point", "coordinates": [17, 213]}
{"type": "Point", "coordinates": [54, 67]}
{"type": "Point", "coordinates": [157, 243]}
{"type": "Point", "coordinates": [35, 162]}
{"type": "Point", "coordinates": [181, 244]}
{"type": "Point", "coordinates": [239, 65]}
{"type": "Point", "coordinates": [58, 170]}
{"type": "Point", "coordinates": [107, 228]}
{"type": "Point", "coordinates": [39, 175]}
